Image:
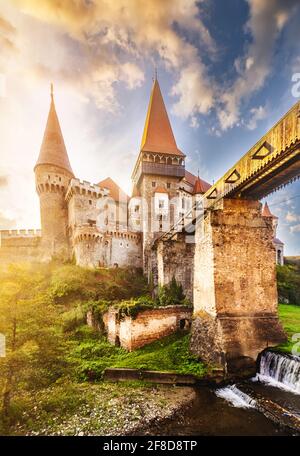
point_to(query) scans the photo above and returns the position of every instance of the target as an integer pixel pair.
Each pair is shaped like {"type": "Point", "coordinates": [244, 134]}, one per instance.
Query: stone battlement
{"type": "Point", "coordinates": [87, 232]}
{"type": "Point", "coordinates": [83, 187]}
{"type": "Point", "coordinates": [4, 234]}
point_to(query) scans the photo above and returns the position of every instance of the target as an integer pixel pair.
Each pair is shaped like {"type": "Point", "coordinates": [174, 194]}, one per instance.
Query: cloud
{"type": "Point", "coordinates": [292, 217]}
{"type": "Point", "coordinates": [3, 181]}
{"type": "Point", "coordinates": [195, 94]}
{"type": "Point", "coordinates": [114, 39]}
{"type": "Point", "coordinates": [295, 229]}
{"type": "Point", "coordinates": [266, 21]}
{"type": "Point", "coordinates": [5, 222]}
{"type": "Point", "coordinates": [7, 32]}
{"type": "Point", "coordinates": [257, 114]}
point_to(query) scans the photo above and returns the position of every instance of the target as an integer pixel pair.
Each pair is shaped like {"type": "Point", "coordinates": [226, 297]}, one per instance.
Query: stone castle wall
{"type": "Point", "coordinates": [175, 258]}
{"type": "Point", "coordinates": [93, 248]}
{"type": "Point", "coordinates": [51, 185]}
{"type": "Point", "coordinates": [18, 246]}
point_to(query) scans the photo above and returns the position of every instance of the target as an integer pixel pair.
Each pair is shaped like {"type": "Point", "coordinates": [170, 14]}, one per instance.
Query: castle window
{"type": "Point", "coordinates": [161, 204]}
{"type": "Point", "coordinates": [183, 203]}
{"type": "Point", "coordinates": [90, 202]}
{"type": "Point", "coordinates": [136, 208]}
{"type": "Point", "coordinates": [60, 179]}
{"type": "Point", "coordinates": [153, 184]}
{"type": "Point", "coordinates": [168, 185]}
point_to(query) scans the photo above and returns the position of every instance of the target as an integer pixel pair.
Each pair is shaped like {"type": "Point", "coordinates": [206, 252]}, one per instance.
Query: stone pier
{"type": "Point", "coordinates": [235, 291]}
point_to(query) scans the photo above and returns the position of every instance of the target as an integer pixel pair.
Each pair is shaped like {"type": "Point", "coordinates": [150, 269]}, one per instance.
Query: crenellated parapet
{"type": "Point", "coordinates": [47, 182]}
{"type": "Point", "coordinates": [91, 233]}
{"type": "Point", "coordinates": [5, 234]}
{"type": "Point", "coordinates": [85, 188]}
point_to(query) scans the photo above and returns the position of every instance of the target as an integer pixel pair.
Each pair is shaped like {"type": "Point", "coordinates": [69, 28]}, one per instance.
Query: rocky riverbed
{"type": "Point", "coordinates": [108, 409]}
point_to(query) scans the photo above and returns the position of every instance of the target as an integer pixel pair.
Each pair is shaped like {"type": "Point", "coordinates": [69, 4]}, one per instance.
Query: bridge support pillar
{"type": "Point", "coordinates": [235, 291]}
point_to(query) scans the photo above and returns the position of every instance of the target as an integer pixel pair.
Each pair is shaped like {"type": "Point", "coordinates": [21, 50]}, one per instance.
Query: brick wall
{"type": "Point", "coordinates": [147, 326]}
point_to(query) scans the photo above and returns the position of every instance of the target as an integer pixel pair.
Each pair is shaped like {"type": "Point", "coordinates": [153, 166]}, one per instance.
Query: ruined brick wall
{"type": "Point", "coordinates": [235, 292]}
{"type": "Point", "coordinates": [148, 326]}
{"type": "Point", "coordinates": [175, 258]}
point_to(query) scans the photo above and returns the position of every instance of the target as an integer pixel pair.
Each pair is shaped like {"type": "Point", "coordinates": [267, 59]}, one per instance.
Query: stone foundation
{"type": "Point", "coordinates": [235, 290]}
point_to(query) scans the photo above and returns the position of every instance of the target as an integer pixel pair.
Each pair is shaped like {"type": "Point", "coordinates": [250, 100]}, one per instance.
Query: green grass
{"type": "Point", "coordinates": [290, 318]}
{"type": "Point", "coordinates": [92, 355]}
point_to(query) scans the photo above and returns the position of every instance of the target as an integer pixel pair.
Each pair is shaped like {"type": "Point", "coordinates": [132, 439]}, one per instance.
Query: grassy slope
{"type": "Point", "coordinates": [92, 354]}
{"type": "Point", "coordinates": [290, 318]}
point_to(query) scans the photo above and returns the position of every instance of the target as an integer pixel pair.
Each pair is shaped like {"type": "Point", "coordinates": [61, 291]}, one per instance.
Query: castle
{"type": "Point", "coordinates": [99, 225]}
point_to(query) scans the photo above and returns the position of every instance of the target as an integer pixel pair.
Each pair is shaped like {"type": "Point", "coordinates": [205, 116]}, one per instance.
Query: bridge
{"type": "Point", "coordinates": [271, 164]}
{"type": "Point", "coordinates": [233, 267]}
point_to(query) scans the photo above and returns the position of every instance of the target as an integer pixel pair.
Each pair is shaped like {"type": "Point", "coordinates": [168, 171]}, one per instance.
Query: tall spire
{"type": "Point", "coordinates": [53, 150]}
{"type": "Point", "coordinates": [158, 135]}
{"type": "Point", "coordinates": [266, 211]}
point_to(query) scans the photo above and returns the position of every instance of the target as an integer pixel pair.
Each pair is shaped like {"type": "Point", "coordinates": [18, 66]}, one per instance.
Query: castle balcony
{"type": "Point", "coordinates": [160, 169]}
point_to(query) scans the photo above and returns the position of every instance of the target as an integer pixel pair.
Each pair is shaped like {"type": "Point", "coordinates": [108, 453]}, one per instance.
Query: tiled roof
{"type": "Point", "coordinates": [53, 150]}
{"type": "Point", "coordinates": [114, 190]}
{"type": "Point", "coordinates": [191, 179]}
{"type": "Point", "coordinates": [158, 135]}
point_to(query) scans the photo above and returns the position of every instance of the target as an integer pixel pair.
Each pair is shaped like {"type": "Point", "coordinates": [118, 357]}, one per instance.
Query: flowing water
{"type": "Point", "coordinates": [236, 397]}
{"type": "Point", "coordinates": [281, 371]}
{"type": "Point", "coordinates": [230, 411]}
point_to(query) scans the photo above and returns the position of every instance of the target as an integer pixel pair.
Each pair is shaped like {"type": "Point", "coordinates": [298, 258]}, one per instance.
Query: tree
{"type": "Point", "coordinates": [29, 321]}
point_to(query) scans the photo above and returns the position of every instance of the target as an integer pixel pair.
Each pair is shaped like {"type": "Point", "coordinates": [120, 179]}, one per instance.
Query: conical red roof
{"type": "Point", "coordinates": [266, 211]}
{"type": "Point", "coordinates": [53, 150]}
{"type": "Point", "coordinates": [158, 135]}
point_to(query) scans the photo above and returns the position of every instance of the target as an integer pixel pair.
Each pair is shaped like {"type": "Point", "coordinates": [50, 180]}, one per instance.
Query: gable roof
{"type": "Point", "coordinates": [115, 191]}
{"type": "Point", "coordinates": [158, 135]}
{"type": "Point", "coordinates": [192, 179]}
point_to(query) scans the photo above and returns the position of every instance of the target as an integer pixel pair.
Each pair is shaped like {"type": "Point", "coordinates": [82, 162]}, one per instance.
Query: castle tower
{"type": "Point", "coordinates": [53, 173]}
{"type": "Point", "coordinates": [278, 244]}
{"type": "Point", "coordinates": [157, 173]}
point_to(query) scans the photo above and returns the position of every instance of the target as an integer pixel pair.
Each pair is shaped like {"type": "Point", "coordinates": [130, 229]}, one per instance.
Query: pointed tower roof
{"type": "Point", "coordinates": [158, 135]}
{"type": "Point", "coordinates": [198, 187]}
{"type": "Point", "coordinates": [266, 211]}
{"type": "Point", "coordinates": [53, 150]}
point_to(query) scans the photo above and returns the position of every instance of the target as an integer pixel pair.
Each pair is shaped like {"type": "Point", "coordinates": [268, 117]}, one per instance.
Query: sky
{"type": "Point", "coordinates": [225, 69]}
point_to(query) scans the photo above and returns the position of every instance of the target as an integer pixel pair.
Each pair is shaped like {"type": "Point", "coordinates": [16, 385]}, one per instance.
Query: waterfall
{"type": "Point", "coordinates": [236, 397]}
{"type": "Point", "coordinates": [279, 370]}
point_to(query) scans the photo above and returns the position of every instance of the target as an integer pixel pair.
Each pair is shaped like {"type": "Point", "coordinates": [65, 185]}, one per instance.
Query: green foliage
{"type": "Point", "coordinates": [171, 354]}
{"type": "Point", "coordinates": [42, 311]}
{"type": "Point", "coordinates": [288, 283]}
{"type": "Point", "coordinates": [290, 318]}
{"type": "Point", "coordinates": [168, 354]}
{"type": "Point", "coordinates": [171, 294]}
